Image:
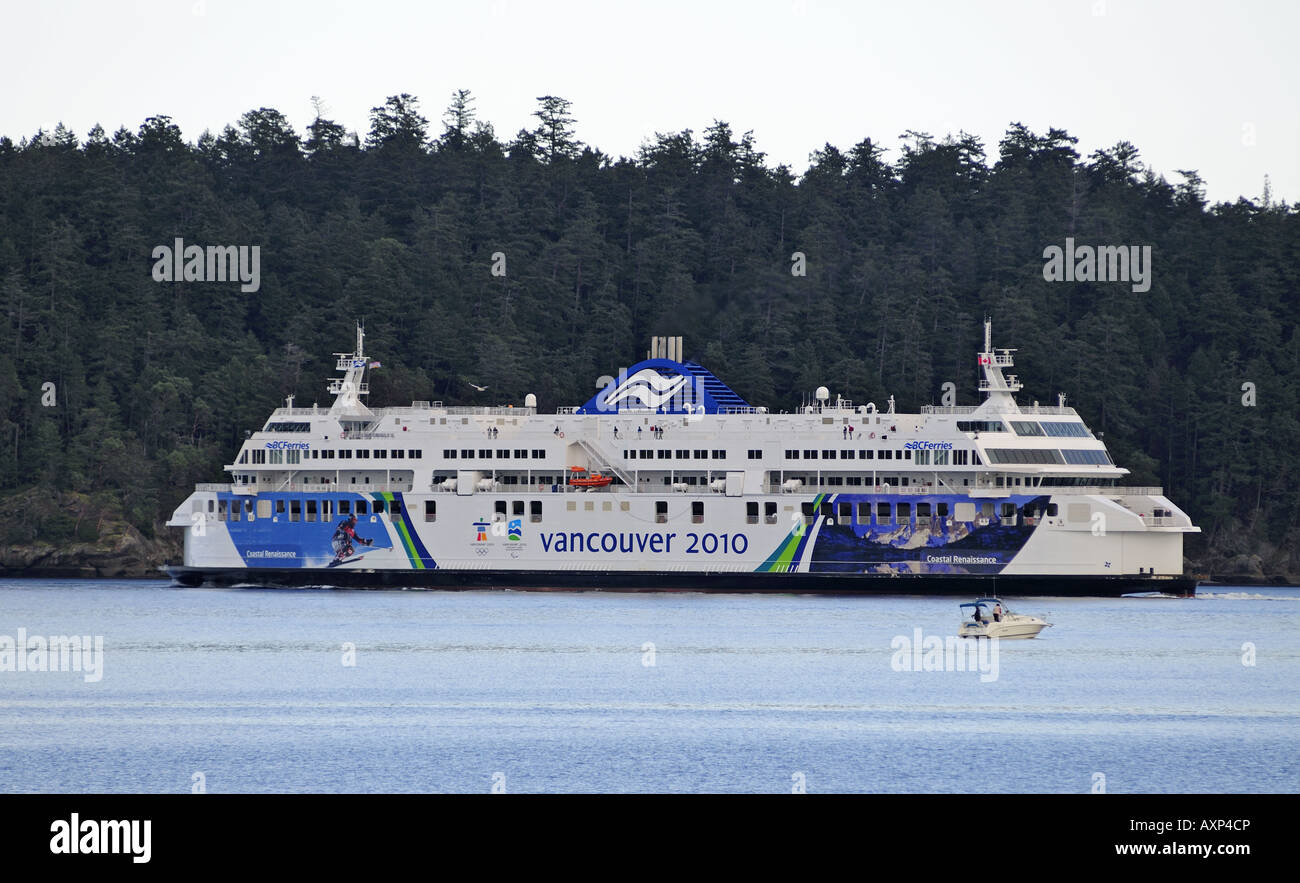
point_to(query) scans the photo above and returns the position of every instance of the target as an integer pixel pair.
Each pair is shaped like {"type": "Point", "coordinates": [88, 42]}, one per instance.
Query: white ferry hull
{"type": "Point", "coordinates": [612, 541]}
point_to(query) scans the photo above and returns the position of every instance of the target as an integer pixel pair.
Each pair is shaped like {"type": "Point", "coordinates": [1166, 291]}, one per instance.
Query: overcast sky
{"type": "Point", "coordinates": [1195, 85]}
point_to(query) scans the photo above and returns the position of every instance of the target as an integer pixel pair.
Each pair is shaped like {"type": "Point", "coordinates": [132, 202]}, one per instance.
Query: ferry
{"type": "Point", "coordinates": [667, 479]}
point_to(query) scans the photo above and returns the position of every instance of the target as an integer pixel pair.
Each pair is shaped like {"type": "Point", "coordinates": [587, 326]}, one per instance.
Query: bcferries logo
{"type": "Point", "coordinates": [648, 387]}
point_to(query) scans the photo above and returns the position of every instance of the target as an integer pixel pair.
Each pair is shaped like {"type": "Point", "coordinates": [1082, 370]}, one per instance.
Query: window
{"type": "Point", "coordinates": [810, 455]}
{"type": "Point", "coordinates": [846, 511]}
{"type": "Point", "coordinates": [362, 507]}
{"type": "Point", "coordinates": [958, 458]}
{"type": "Point", "coordinates": [503, 454]}
{"type": "Point", "coordinates": [466, 454]}
{"type": "Point", "coordinates": [719, 455]}
{"type": "Point", "coordinates": [756, 454]}
{"type": "Point", "coordinates": [381, 454]}
{"type": "Point", "coordinates": [345, 507]}
{"type": "Point", "coordinates": [288, 427]}
{"type": "Point", "coordinates": [883, 515]}
{"type": "Point", "coordinates": [1008, 510]}
{"type": "Point", "coordinates": [362, 454]}
{"type": "Point", "coordinates": [682, 454]}
{"type": "Point", "coordinates": [449, 453]}
{"type": "Point", "coordinates": [1092, 458]}
{"type": "Point", "coordinates": [1065, 430]}
{"type": "Point", "coordinates": [981, 426]}
{"type": "Point", "coordinates": [864, 513]}
{"type": "Point", "coordinates": [807, 511]}
{"type": "Point", "coordinates": [792, 455]}
{"type": "Point", "coordinates": [751, 513]}
{"type": "Point", "coordinates": [646, 454]}
{"type": "Point", "coordinates": [887, 454]}
{"type": "Point", "coordinates": [534, 511]}
{"type": "Point", "coordinates": [415, 455]}
{"type": "Point", "coordinates": [259, 456]}
{"type": "Point", "coordinates": [868, 455]}
{"type": "Point", "coordinates": [1026, 427]}
{"type": "Point", "coordinates": [661, 512]}
{"type": "Point", "coordinates": [263, 508]}
{"type": "Point", "coordinates": [922, 458]}
{"type": "Point", "coordinates": [828, 455]}
{"type": "Point", "coordinates": [701, 454]}
{"type": "Point", "coordinates": [378, 507]}
{"type": "Point", "coordinates": [1040, 456]}
{"type": "Point", "coordinates": [277, 456]}
{"type": "Point", "coordinates": [295, 510]}
{"type": "Point", "coordinates": [292, 456]}
{"type": "Point", "coordinates": [484, 454]}
{"type": "Point", "coordinates": [848, 455]}
{"type": "Point", "coordinates": [941, 458]}
{"type": "Point", "coordinates": [664, 454]}
{"type": "Point", "coordinates": [769, 513]}
{"type": "Point", "coordinates": [697, 512]}
{"type": "Point", "coordinates": [243, 458]}
{"type": "Point", "coordinates": [904, 511]}
{"type": "Point", "coordinates": [539, 453]}
{"type": "Point", "coordinates": [1051, 510]}
{"type": "Point", "coordinates": [311, 510]}
{"type": "Point", "coordinates": [279, 507]}
{"type": "Point", "coordinates": [500, 508]}
{"type": "Point", "coordinates": [517, 507]}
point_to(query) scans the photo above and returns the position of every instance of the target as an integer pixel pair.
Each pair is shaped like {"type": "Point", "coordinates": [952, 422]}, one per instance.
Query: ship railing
{"type": "Point", "coordinates": [213, 487]}
{"type": "Point", "coordinates": [489, 411]}
{"type": "Point", "coordinates": [363, 435]}
{"type": "Point", "coordinates": [1041, 410]}
{"type": "Point", "coordinates": [1161, 521]}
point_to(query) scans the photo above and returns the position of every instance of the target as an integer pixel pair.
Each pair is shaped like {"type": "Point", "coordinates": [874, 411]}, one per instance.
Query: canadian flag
{"type": "Point", "coordinates": [984, 360]}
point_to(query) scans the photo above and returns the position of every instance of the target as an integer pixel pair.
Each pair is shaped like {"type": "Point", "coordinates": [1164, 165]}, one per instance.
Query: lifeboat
{"type": "Point", "coordinates": [580, 477]}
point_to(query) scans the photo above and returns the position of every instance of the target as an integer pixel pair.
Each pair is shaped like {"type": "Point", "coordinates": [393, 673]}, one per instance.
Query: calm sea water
{"type": "Point", "coordinates": [531, 692]}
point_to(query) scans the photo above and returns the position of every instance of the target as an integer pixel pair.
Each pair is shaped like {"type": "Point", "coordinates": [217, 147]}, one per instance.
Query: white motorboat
{"type": "Point", "coordinates": [992, 618]}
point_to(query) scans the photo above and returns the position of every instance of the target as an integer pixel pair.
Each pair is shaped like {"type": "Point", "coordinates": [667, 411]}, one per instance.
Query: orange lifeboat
{"type": "Point", "coordinates": [579, 477]}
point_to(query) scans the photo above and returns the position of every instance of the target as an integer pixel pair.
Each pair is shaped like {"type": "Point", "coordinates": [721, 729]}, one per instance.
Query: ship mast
{"type": "Point", "coordinates": [349, 388]}
{"type": "Point", "coordinates": [998, 388]}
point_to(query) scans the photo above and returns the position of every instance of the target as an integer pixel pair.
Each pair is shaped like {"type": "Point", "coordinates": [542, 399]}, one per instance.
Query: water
{"type": "Point", "coordinates": [458, 691]}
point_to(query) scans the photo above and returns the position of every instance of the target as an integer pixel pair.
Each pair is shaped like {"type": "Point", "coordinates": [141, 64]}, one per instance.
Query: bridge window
{"type": "Point", "coordinates": [1026, 427]}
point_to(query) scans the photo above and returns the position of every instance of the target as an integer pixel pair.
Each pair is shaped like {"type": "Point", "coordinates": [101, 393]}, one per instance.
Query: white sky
{"type": "Point", "coordinates": [1195, 85]}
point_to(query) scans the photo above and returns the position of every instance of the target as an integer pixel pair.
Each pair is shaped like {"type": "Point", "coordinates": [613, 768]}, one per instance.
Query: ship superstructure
{"type": "Point", "coordinates": [668, 479]}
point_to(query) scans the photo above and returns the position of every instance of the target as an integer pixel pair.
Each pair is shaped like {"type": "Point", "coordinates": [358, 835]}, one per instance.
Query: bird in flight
{"type": "Point", "coordinates": [476, 386]}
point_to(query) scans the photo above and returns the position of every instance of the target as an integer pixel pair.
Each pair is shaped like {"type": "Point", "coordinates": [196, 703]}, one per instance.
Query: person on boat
{"type": "Point", "coordinates": [345, 537]}
{"type": "Point", "coordinates": [997, 612]}
{"type": "Point", "coordinates": [979, 620]}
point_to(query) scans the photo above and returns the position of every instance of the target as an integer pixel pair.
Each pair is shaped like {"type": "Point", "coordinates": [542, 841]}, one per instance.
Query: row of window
{"type": "Point", "coordinates": [682, 454]}
{"type": "Point", "coordinates": [1048, 457]}
{"type": "Point", "coordinates": [303, 510]}
{"type": "Point", "coordinates": [487, 453]}
{"type": "Point", "coordinates": [261, 456]}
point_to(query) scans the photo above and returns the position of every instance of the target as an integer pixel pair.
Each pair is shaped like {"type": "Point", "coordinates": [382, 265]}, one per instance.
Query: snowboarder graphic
{"type": "Point", "coordinates": [344, 540]}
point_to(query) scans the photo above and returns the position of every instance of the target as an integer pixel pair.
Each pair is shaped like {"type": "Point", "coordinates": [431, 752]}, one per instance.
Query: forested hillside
{"type": "Point", "coordinates": [155, 382]}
